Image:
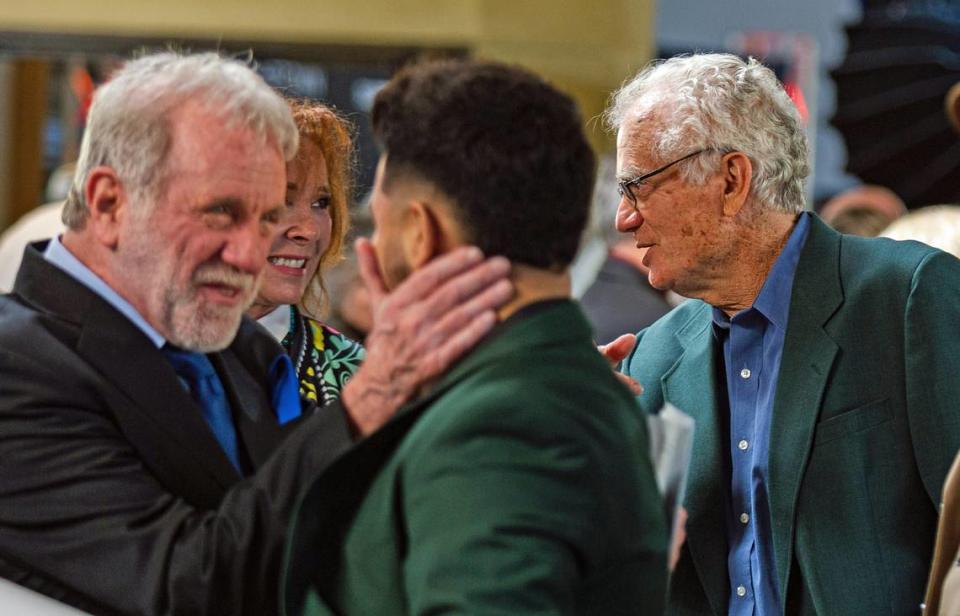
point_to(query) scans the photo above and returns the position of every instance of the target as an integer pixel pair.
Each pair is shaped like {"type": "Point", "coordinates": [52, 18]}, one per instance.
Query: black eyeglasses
{"type": "Point", "coordinates": [625, 188]}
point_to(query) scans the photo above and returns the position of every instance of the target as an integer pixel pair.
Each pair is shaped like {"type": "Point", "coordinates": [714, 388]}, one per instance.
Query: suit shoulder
{"type": "Point", "coordinates": [660, 341]}
{"type": "Point", "coordinates": [691, 312]}
{"type": "Point", "coordinates": [560, 391]}
{"type": "Point", "coordinates": [26, 331]}
{"type": "Point", "coordinates": [882, 257]}
{"type": "Point", "coordinates": [890, 269]}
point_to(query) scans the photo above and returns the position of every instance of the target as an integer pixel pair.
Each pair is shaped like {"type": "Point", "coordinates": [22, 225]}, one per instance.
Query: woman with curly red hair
{"type": "Point", "coordinates": [310, 238]}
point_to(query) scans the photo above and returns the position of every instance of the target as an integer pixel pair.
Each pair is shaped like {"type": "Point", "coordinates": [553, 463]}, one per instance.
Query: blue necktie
{"type": "Point", "coordinates": [198, 375]}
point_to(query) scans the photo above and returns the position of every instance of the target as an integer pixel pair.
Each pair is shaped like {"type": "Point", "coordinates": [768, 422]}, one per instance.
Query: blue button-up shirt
{"type": "Point", "coordinates": [752, 348]}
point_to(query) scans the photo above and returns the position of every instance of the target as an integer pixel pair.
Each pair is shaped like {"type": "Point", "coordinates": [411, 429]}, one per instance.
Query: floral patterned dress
{"type": "Point", "coordinates": [324, 358]}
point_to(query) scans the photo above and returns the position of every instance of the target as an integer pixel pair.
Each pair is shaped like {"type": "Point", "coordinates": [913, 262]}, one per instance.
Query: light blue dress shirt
{"type": "Point", "coordinates": [752, 349]}
{"type": "Point", "coordinates": [285, 392]}
{"type": "Point", "coordinates": [57, 254]}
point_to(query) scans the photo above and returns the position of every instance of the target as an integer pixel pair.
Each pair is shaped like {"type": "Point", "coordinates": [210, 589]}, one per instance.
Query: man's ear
{"type": "Point", "coordinates": [737, 174]}
{"type": "Point", "coordinates": [107, 204]}
{"type": "Point", "coordinates": [422, 236]}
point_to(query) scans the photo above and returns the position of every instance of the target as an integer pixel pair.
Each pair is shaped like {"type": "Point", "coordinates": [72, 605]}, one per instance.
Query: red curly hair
{"type": "Point", "coordinates": [331, 133]}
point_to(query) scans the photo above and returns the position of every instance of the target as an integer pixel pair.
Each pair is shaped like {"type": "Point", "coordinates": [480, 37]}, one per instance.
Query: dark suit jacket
{"type": "Point", "coordinates": [521, 485]}
{"type": "Point", "coordinates": [621, 301]}
{"type": "Point", "coordinates": [114, 494]}
{"type": "Point", "coordinates": [865, 425]}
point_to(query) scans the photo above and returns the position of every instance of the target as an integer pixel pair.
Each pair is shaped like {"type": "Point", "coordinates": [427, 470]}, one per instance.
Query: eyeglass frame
{"type": "Point", "coordinates": [624, 188]}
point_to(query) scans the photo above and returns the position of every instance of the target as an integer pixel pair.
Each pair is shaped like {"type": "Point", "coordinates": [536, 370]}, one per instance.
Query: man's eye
{"type": "Point", "coordinates": [322, 203]}
{"type": "Point", "coordinates": [218, 215]}
{"type": "Point", "coordinates": [272, 217]}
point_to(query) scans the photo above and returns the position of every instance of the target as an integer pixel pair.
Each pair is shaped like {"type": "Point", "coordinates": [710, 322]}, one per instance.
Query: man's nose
{"type": "Point", "coordinates": [628, 218]}
{"type": "Point", "coordinates": [247, 248]}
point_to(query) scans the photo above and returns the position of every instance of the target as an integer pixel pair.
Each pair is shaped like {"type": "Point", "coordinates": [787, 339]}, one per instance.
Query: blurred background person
{"type": "Point", "coordinates": [349, 300]}
{"type": "Point", "coordinates": [620, 300]}
{"type": "Point", "coordinates": [864, 210]}
{"type": "Point", "coordinates": [37, 224]}
{"type": "Point", "coordinates": [310, 239]}
{"type": "Point", "coordinates": [935, 225]}
{"type": "Point", "coordinates": [350, 308]}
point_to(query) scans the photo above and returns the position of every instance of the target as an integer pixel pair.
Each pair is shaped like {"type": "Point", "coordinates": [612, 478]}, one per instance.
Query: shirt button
{"type": "Point", "coordinates": [745, 373]}
{"type": "Point", "coordinates": [744, 518]}
{"type": "Point", "coordinates": [741, 591]}
{"type": "Point", "coordinates": [742, 445]}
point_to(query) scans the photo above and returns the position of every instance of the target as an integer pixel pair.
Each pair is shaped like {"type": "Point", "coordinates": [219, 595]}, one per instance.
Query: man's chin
{"type": "Point", "coordinates": [206, 330]}
{"type": "Point", "coordinates": [660, 283]}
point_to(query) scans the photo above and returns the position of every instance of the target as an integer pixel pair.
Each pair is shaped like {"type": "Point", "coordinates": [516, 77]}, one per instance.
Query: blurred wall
{"type": "Point", "coordinates": [705, 25]}
{"type": "Point", "coordinates": [6, 142]}
{"type": "Point", "coordinates": [586, 47]}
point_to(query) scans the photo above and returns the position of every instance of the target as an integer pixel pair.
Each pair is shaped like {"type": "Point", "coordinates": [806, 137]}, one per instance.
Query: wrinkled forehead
{"type": "Point", "coordinates": [636, 150]}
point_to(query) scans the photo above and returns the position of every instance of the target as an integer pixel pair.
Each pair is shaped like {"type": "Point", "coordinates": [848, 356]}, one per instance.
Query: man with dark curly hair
{"type": "Point", "coordinates": [520, 482]}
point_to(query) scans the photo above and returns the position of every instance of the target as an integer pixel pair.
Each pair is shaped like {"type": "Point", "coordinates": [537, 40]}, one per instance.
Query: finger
{"type": "Point", "coordinates": [680, 535]}
{"type": "Point", "coordinates": [442, 357]}
{"type": "Point", "coordinates": [370, 270]}
{"type": "Point", "coordinates": [424, 281]}
{"type": "Point", "coordinates": [462, 288]}
{"type": "Point", "coordinates": [632, 384]}
{"type": "Point", "coordinates": [453, 321]}
{"type": "Point", "coordinates": [617, 351]}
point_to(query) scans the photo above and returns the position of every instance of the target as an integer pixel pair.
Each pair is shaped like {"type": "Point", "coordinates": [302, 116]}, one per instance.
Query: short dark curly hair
{"type": "Point", "coordinates": [504, 145]}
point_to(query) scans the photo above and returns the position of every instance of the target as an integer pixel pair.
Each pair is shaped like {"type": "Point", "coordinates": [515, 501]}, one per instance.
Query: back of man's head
{"type": "Point", "coordinates": [128, 126]}
{"type": "Point", "coordinates": [504, 146]}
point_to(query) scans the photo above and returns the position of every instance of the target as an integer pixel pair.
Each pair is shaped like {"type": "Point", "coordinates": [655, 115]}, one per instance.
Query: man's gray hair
{"type": "Point", "coordinates": [128, 127]}
{"type": "Point", "coordinates": [721, 103]}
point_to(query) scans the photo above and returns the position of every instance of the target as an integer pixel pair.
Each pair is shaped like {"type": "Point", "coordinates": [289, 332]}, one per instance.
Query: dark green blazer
{"type": "Point", "coordinates": [520, 485]}
{"type": "Point", "coordinates": [866, 422]}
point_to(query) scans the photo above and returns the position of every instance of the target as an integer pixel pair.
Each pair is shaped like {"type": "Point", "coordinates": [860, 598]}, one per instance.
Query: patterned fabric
{"type": "Point", "coordinates": [324, 358]}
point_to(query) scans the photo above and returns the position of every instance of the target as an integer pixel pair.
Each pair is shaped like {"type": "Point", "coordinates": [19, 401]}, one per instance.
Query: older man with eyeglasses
{"type": "Point", "coordinates": [818, 367]}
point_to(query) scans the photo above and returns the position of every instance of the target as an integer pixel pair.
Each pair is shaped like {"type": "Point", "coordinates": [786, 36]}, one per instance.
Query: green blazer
{"type": "Point", "coordinates": [865, 426]}
{"type": "Point", "coordinates": [520, 485]}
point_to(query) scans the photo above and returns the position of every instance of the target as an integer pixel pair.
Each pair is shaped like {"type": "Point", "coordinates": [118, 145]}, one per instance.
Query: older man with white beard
{"type": "Point", "coordinates": [153, 444]}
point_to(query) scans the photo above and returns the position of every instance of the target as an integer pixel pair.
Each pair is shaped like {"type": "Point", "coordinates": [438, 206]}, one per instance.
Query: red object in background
{"type": "Point", "coordinates": [82, 86]}
{"type": "Point", "coordinates": [796, 95]}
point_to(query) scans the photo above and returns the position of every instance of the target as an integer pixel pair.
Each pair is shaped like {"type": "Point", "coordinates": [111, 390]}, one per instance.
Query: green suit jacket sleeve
{"type": "Point", "coordinates": [932, 355]}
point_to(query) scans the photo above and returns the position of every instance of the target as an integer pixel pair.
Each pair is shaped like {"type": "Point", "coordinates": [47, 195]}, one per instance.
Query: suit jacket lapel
{"type": "Point", "coordinates": [148, 402]}
{"type": "Point", "coordinates": [692, 386]}
{"type": "Point", "coordinates": [808, 356]}
{"type": "Point", "coordinates": [129, 361]}
{"type": "Point", "coordinates": [253, 413]}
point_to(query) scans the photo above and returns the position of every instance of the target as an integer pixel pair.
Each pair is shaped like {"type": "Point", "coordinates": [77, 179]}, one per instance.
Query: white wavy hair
{"type": "Point", "coordinates": [128, 126]}
{"type": "Point", "coordinates": [721, 103]}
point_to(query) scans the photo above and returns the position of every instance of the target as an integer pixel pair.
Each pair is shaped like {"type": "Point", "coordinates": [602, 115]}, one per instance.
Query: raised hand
{"type": "Point", "coordinates": [421, 328]}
